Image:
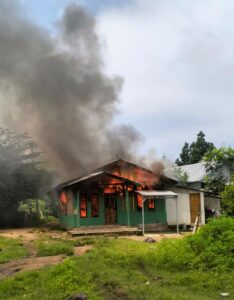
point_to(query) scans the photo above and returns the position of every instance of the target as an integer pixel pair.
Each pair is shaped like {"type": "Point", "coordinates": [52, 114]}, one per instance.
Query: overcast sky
{"type": "Point", "coordinates": [176, 59]}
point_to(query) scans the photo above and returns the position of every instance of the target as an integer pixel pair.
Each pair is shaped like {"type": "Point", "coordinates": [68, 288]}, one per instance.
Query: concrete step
{"type": "Point", "coordinates": [104, 231]}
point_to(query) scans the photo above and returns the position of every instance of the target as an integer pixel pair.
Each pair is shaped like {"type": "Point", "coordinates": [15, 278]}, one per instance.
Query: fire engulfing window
{"type": "Point", "coordinates": [63, 203]}
{"type": "Point", "coordinates": [83, 206]}
{"type": "Point", "coordinates": [139, 202]}
{"type": "Point", "coordinates": [94, 205]}
{"type": "Point", "coordinates": [151, 205]}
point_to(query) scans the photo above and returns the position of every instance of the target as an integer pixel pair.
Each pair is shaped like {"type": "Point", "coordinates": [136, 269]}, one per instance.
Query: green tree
{"type": "Point", "coordinates": [194, 152]}
{"type": "Point", "coordinates": [227, 197]}
{"type": "Point", "coordinates": [22, 175]}
{"type": "Point", "coordinates": [220, 168]}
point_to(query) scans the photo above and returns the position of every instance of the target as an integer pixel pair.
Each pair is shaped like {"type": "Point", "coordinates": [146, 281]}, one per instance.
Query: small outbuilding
{"type": "Point", "coordinates": [193, 200]}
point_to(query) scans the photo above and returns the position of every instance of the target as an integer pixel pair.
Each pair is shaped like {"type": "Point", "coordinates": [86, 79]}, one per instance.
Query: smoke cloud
{"type": "Point", "coordinates": [54, 87]}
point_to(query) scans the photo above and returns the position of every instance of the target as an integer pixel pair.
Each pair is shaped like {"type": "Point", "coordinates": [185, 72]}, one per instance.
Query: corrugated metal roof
{"type": "Point", "coordinates": [84, 178]}
{"type": "Point", "coordinates": [98, 170]}
{"type": "Point", "coordinates": [80, 179]}
{"type": "Point", "coordinates": [196, 172]}
{"type": "Point", "coordinates": [154, 193]}
{"type": "Point", "coordinates": [171, 173]}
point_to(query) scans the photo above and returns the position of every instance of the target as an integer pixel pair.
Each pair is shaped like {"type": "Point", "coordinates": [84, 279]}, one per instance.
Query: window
{"type": "Point", "coordinates": [139, 202]}
{"type": "Point", "coordinates": [151, 204]}
{"type": "Point", "coordinates": [83, 206]}
{"type": "Point", "coordinates": [94, 205]}
{"type": "Point", "coordinates": [63, 203]}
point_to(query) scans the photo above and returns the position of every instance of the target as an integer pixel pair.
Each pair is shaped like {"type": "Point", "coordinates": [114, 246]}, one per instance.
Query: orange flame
{"type": "Point", "coordinates": [83, 206]}
{"type": "Point", "coordinates": [151, 204]}
{"type": "Point", "coordinates": [139, 200]}
{"type": "Point", "coordinates": [63, 198]}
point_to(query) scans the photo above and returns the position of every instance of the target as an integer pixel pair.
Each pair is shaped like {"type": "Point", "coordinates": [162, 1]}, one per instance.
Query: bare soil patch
{"type": "Point", "coordinates": [156, 236]}
{"type": "Point", "coordinates": [28, 236]}
{"type": "Point", "coordinates": [82, 249]}
{"type": "Point", "coordinates": [28, 264]}
{"type": "Point", "coordinates": [32, 234]}
{"type": "Point", "coordinates": [36, 263]}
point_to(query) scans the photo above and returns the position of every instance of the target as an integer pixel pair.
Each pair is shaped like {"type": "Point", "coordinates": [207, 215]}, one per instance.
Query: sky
{"type": "Point", "coordinates": [176, 58]}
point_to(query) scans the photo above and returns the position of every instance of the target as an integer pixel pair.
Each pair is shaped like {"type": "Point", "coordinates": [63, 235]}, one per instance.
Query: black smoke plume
{"type": "Point", "coordinates": [54, 87]}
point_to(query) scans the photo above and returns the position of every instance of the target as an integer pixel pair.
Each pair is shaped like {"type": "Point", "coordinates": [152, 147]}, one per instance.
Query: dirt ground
{"type": "Point", "coordinates": [157, 236]}
{"type": "Point", "coordinates": [28, 264]}
{"type": "Point", "coordinates": [32, 262]}
{"type": "Point", "coordinates": [32, 234]}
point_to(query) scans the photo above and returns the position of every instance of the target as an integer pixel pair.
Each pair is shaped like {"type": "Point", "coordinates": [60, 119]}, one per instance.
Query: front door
{"type": "Point", "coordinates": [195, 206]}
{"type": "Point", "coordinates": [110, 208]}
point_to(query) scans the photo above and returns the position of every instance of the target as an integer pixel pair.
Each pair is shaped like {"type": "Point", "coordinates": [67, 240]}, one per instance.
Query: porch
{"type": "Point", "coordinates": [105, 230]}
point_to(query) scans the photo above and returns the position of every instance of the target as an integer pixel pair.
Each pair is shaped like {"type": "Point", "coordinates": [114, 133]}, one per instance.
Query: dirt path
{"type": "Point", "coordinates": [32, 234]}
{"type": "Point", "coordinates": [157, 236]}
{"type": "Point", "coordinates": [82, 250]}
{"type": "Point", "coordinates": [28, 236]}
{"type": "Point", "coordinates": [28, 264]}
{"type": "Point", "coordinates": [36, 263]}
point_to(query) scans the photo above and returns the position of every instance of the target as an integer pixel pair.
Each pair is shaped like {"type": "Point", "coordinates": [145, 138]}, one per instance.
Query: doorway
{"type": "Point", "coordinates": [195, 206]}
{"type": "Point", "coordinates": [110, 208]}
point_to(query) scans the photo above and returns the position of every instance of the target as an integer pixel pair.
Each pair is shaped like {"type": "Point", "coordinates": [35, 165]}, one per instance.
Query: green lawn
{"type": "Point", "coordinates": [119, 269]}
{"type": "Point", "coordinates": [47, 246]}
{"type": "Point", "coordinates": [11, 249]}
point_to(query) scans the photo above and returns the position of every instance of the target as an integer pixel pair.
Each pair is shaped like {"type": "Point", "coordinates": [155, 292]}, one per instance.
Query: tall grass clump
{"type": "Point", "coordinates": [213, 245]}
{"type": "Point", "coordinates": [11, 249]}
{"type": "Point", "coordinates": [211, 248]}
{"type": "Point", "coordinates": [53, 247]}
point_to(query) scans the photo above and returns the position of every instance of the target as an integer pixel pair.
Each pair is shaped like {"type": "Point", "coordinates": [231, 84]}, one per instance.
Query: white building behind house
{"type": "Point", "coordinates": [192, 199]}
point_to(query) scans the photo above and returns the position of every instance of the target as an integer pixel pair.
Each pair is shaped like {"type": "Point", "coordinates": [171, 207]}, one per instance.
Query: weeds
{"type": "Point", "coordinates": [11, 249]}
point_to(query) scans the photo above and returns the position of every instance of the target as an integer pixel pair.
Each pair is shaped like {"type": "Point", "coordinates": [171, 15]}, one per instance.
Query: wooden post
{"type": "Point", "coordinates": [196, 223]}
{"type": "Point", "coordinates": [78, 209]}
{"type": "Point", "coordinates": [127, 207]}
{"type": "Point", "coordinates": [75, 210]}
{"type": "Point", "coordinates": [177, 221]}
{"type": "Point", "coordinates": [143, 216]}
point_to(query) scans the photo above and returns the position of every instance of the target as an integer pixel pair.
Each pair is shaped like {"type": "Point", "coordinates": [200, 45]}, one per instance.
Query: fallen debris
{"type": "Point", "coordinates": [149, 240]}
{"type": "Point", "coordinates": [224, 294]}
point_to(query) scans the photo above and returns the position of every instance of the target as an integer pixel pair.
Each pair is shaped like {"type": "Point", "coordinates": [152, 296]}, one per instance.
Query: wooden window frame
{"type": "Point", "coordinates": [149, 208]}
{"type": "Point", "coordinates": [138, 208]}
{"type": "Point", "coordinates": [85, 197]}
{"type": "Point", "coordinates": [98, 207]}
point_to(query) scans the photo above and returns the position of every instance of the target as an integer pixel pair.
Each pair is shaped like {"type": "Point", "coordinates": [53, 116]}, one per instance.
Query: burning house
{"type": "Point", "coordinates": [117, 193]}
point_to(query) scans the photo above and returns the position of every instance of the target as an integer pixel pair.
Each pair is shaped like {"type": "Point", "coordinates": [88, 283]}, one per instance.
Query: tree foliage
{"type": "Point", "coordinates": [22, 175]}
{"type": "Point", "coordinates": [227, 197]}
{"type": "Point", "coordinates": [219, 167]}
{"type": "Point", "coordinates": [194, 152]}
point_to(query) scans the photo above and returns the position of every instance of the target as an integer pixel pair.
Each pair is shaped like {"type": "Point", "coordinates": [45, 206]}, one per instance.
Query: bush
{"type": "Point", "coordinates": [211, 248]}
{"type": "Point", "coordinates": [213, 245]}
{"type": "Point", "coordinates": [227, 197]}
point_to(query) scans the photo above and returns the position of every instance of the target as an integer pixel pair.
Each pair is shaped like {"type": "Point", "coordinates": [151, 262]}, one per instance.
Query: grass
{"type": "Point", "coordinates": [11, 249]}
{"type": "Point", "coordinates": [54, 246]}
{"type": "Point", "coordinates": [49, 247]}
{"type": "Point", "coordinates": [119, 269]}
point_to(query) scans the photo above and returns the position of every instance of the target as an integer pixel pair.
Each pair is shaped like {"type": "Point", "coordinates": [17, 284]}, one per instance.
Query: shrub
{"type": "Point", "coordinates": [213, 245]}
{"type": "Point", "coordinates": [227, 197]}
{"type": "Point", "coordinates": [211, 248]}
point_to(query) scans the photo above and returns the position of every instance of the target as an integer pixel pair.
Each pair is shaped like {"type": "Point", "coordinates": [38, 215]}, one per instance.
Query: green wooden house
{"type": "Point", "coordinates": [111, 194]}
